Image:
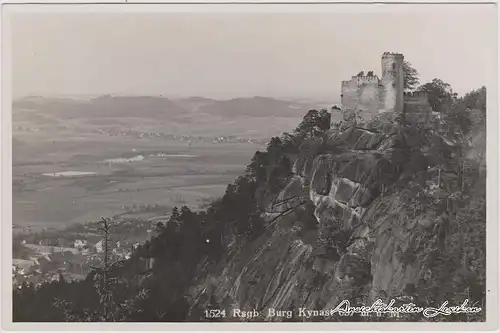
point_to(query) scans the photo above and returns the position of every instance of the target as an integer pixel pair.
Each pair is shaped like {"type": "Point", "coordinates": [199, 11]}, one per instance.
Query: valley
{"type": "Point", "coordinates": [76, 161]}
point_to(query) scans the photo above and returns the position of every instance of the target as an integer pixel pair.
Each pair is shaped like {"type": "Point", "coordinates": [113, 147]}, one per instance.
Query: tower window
{"type": "Point", "coordinates": [393, 65]}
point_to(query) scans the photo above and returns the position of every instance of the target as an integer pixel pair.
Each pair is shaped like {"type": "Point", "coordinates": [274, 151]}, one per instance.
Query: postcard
{"type": "Point", "coordinates": [250, 166]}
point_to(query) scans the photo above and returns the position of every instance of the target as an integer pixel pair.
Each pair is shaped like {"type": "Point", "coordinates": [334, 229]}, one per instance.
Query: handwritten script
{"type": "Point", "coordinates": [379, 307]}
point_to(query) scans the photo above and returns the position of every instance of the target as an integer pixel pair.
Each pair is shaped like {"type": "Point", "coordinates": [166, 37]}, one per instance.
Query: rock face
{"type": "Point", "coordinates": [370, 235]}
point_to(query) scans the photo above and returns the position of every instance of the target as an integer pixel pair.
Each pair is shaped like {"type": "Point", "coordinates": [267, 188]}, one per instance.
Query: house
{"type": "Point", "coordinates": [35, 260]}
{"type": "Point", "coordinates": [23, 266]}
{"type": "Point", "coordinates": [80, 244]}
{"type": "Point", "coordinates": [99, 246]}
{"type": "Point", "coordinates": [49, 250]}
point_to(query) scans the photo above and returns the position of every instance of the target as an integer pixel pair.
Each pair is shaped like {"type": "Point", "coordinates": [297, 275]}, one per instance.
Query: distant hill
{"type": "Point", "coordinates": [194, 103]}
{"type": "Point", "coordinates": [163, 108]}
{"type": "Point", "coordinates": [256, 107]}
{"type": "Point", "coordinates": [104, 107]}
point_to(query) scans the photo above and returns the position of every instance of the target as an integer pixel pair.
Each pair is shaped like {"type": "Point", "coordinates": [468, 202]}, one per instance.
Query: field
{"type": "Point", "coordinates": [46, 201]}
{"type": "Point", "coordinates": [103, 174]}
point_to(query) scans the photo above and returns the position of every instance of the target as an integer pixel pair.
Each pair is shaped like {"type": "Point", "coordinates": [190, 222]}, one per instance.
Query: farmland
{"type": "Point", "coordinates": [75, 162]}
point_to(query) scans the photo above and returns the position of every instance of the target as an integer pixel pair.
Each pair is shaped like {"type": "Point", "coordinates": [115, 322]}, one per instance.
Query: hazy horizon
{"type": "Point", "coordinates": [223, 56]}
{"type": "Point", "coordinates": [176, 97]}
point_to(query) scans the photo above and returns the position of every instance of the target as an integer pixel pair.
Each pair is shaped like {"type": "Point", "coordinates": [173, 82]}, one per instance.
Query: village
{"type": "Point", "coordinates": [70, 254]}
{"type": "Point", "coordinates": [174, 137]}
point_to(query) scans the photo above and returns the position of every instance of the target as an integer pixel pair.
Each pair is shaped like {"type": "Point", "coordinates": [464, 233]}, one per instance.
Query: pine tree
{"type": "Point", "coordinates": [104, 284]}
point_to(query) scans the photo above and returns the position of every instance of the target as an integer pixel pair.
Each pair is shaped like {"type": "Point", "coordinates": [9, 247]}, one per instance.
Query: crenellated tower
{"type": "Point", "coordinates": [392, 82]}
{"type": "Point", "coordinates": [368, 96]}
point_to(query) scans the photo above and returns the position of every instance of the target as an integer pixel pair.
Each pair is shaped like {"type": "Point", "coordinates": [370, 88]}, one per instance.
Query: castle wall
{"type": "Point", "coordinates": [369, 99]}
{"type": "Point", "coordinates": [362, 94]}
{"type": "Point", "coordinates": [349, 95]}
{"type": "Point", "coordinates": [416, 107]}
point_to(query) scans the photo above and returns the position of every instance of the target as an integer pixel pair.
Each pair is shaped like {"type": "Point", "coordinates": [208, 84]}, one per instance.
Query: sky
{"type": "Point", "coordinates": [227, 55]}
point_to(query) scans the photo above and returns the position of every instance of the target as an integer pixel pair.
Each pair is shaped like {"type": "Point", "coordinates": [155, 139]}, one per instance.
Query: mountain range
{"type": "Point", "coordinates": [155, 107]}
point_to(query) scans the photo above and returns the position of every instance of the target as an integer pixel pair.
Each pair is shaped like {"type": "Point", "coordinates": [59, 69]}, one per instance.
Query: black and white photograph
{"type": "Point", "coordinates": [221, 165]}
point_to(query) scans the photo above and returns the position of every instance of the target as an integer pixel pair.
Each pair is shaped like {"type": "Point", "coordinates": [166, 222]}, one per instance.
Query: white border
{"type": "Point", "coordinates": [228, 6]}
{"type": "Point", "coordinates": [278, 6]}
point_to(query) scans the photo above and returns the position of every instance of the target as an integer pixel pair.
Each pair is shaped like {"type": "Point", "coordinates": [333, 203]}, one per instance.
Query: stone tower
{"type": "Point", "coordinates": [392, 82]}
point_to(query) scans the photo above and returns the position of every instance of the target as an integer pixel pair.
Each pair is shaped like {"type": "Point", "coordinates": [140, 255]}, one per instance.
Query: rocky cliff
{"type": "Point", "coordinates": [365, 216]}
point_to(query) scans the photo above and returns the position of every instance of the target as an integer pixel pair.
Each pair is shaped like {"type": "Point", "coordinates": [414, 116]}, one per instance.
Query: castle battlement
{"type": "Point", "coordinates": [372, 78]}
{"type": "Point", "coordinates": [358, 80]}
{"type": "Point", "coordinates": [419, 97]}
{"type": "Point", "coordinates": [415, 94]}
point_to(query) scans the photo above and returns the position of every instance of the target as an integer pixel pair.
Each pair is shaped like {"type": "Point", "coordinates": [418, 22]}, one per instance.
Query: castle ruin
{"type": "Point", "coordinates": [371, 95]}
